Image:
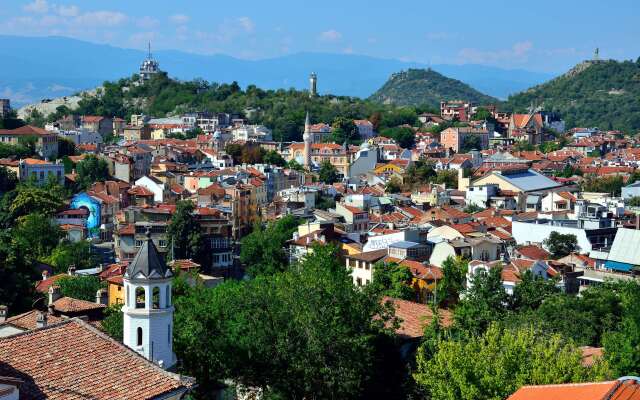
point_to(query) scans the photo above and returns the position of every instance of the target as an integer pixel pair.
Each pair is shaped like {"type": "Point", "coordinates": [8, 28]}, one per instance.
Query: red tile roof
{"type": "Point", "coordinates": [415, 317]}
{"type": "Point", "coordinates": [73, 360]}
{"type": "Point", "coordinates": [27, 321]}
{"type": "Point", "coordinates": [533, 252]}
{"type": "Point", "coordinates": [71, 305]}
{"type": "Point", "coordinates": [44, 285]}
{"type": "Point", "coordinates": [610, 390]}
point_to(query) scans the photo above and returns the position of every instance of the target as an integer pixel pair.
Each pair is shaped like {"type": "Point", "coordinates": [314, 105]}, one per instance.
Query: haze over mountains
{"type": "Point", "coordinates": [33, 68]}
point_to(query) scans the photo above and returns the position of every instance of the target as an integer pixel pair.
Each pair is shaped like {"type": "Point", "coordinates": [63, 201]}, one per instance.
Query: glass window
{"type": "Point", "coordinates": [139, 341]}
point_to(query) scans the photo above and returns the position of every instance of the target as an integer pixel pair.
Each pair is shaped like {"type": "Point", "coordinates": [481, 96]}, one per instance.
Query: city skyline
{"type": "Point", "coordinates": [430, 34]}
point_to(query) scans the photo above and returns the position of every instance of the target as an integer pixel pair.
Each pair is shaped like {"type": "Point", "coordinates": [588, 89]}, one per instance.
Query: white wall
{"type": "Point", "coordinates": [524, 233]}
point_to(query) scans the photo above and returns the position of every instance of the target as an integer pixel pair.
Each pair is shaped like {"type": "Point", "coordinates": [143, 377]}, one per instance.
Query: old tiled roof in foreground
{"type": "Point", "coordinates": [73, 360]}
{"type": "Point", "coordinates": [622, 389]}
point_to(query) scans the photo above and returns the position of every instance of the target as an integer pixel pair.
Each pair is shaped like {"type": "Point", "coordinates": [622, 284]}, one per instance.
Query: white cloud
{"type": "Point", "coordinates": [519, 52]}
{"type": "Point", "coordinates": [348, 50]}
{"type": "Point", "coordinates": [147, 22]}
{"type": "Point", "coordinates": [38, 6]}
{"type": "Point", "coordinates": [70, 11]}
{"type": "Point", "coordinates": [247, 24]}
{"type": "Point", "coordinates": [330, 36]}
{"type": "Point", "coordinates": [101, 18]}
{"type": "Point", "coordinates": [141, 39]}
{"type": "Point", "coordinates": [179, 19]}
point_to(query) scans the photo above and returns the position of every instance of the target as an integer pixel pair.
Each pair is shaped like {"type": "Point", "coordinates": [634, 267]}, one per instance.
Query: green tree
{"type": "Point", "coordinates": [604, 184]}
{"type": "Point", "coordinates": [496, 364]}
{"type": "Point", "coordinates": [485, 301]}
{"type": "Point", "coordinates": [274, 158]}
{"type": "Point", "coordinates": [404, 136]}
{"type": "Point", "coordinates": [91, 170]}
{"type": "Point", "coordinates": [71, 253]}
{"type": "Point", "coordinates": [471, 142]}
{"type": "Point", "coordinates": [113, 322]}
{"type": "Point", "coordinates": [561, 244]}
{"type": "Point", "coordinates": [634, 201]}
{"type": "Point", "coordinates": [294, 165]}
{"type": "Point", "coordinates": [454, 271]}
{"type": "Point", "coordinates": [472, 209]}
{"type": "Point", "coordinates": [531, 291]}
{"type": "Point", "coordinates": [66, 147]}
{"type": "Point", "coordinates": [38, 233]}
{"type": "Point", "coordinates": [393, 185]}
{"type": "Point", "coordinates": [17, 274]}
{"type": "Point", "coordinates": [328, 173]}
{"type": "Point", "coordinates": [262, 251]}
{"type": "Point", "coordinates": [8, 180]}
{"type": "Point", "coordinates": [36, 118]}
{"type": "Point", "coordinates": [184, 234]}
{"type": "Point", "coordinates": [304, 333]}
{"type": "Point", "coordinates": [622, 345]}
{"type": "Point", "coordinates": [80, 287]}
{"type": "Point", "coordinates": [344, 130]}
{"type": "Point", "coordinates": [34, 200]}
{"type": "Point", "coordinates": [391, 279]}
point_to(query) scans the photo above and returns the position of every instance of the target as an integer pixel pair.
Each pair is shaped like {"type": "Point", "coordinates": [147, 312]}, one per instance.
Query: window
{"type": "Point", "coordinates": [156, 298]}
{"type": "Point", "coordinates": [138, 243]}
{"type": "Point", "coordinates": [140, 297]}
{"type": "Point", "coordinates": [126, 299]}
{"type": "Point", "coordinates": [162, 243]}
{"type": "Point", "coordinates": [139, 341]}
{"type": "Point", "coordinates": [359, 281]}
{"type": "Point", "coordinates": [167, 295]}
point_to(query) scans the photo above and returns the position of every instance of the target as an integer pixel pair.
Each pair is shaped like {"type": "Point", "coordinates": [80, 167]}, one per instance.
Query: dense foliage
{"type": "Point", "coordinates": [498, 362]}
{"type": "Point", "coordinates": [303, 333]}
{"type": "Point", "coordinates": [262, 251]}
{"type": "Point", "coordinates": [185, 237]}
{"type": "Point", "coordinates": [419, 87]}
{"type": "Point", "coordinates": [80, 287]}
{"type": "Point", "coordinates": [603, 94]}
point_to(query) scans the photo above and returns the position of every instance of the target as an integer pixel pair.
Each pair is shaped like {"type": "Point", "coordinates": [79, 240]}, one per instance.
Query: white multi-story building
{"type": "Point", "coordinates": [252, 133]}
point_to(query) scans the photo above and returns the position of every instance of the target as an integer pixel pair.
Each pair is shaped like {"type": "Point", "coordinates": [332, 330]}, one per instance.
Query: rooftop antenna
{"type": "Point", "coordinates": [596, 54]}
{"type": "Point", "coordinates": [149, 46]}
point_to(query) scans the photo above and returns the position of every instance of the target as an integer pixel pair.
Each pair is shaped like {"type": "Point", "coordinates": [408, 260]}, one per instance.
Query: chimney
{"type": "Point", "coordinates": [54, 294]}
{"type": "Point", "coordinates": [4, 311]}
{"type": "Point", "coordinates": [41, 319]}
{"type": "Point", "coordinates": [45, 275]}
{"type": "Point", "coordinates": [71, 270]}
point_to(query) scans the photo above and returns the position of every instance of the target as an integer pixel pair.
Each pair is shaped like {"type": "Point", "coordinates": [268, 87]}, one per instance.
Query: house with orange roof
{"type": "Point", "coordinates": [526, 127]}
{"type": "Point", "coordinates": [511, 272]}
{"type": "Point", "coordinates": [40, 171]}
{"type": "Point", "coordinates": [46, 142]}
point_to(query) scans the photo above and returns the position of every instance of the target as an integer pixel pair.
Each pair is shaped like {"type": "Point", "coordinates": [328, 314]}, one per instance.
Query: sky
{"type": "Point", "coordinates": [547, 36]}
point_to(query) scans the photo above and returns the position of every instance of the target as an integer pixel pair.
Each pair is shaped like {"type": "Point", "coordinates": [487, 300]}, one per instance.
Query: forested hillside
{"type": "Point", "coordinates": [594, 93]}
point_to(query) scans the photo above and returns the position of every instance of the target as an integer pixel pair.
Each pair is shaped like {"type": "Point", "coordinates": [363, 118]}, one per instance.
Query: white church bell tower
{"type": "Point", "coordinates": [148, 311]}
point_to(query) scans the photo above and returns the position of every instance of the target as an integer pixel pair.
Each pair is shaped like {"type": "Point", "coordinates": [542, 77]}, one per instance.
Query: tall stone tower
{"type": "Point", "coordinates": [148, 313]}
{"type": "Point", "coordinates": [307, 137]}
{"type": "Point", "coordinates": [313, 85]}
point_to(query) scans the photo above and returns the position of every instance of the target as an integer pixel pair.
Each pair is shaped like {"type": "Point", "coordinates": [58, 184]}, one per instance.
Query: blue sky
{"type": "Point", "coordinates": [543, 35]}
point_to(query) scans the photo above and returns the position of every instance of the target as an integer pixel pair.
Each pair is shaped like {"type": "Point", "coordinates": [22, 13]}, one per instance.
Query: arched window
{"type": "Point", "coordinates": [168, 295]}
{"type": "Point", "coordinates": [139, 341]}
{"type": "Point", "coordinates": [140, 297]}
{"type": "Point", "coordinates": [155, 304]}
{"type": "Point", "coordinates": [126, 299]}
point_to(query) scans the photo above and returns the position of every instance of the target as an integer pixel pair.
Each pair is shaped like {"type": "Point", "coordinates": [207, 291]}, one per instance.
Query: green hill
{"type": "Point", "coordinates": [420, 87]}
{"type": "Point", "coordinates": [605, 94]}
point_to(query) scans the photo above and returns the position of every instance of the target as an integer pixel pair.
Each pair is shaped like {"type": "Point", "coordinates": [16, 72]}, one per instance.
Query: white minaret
{"type": "Point", "coordinates": [313, 85]}
{"type": "Point", "coordinates": [148, 313]}
{"type": "Point", "coordinates": [307, 142]}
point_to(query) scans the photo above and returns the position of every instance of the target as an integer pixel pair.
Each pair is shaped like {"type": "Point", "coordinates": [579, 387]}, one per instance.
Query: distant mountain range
{"type": "Point", "coordinates": [593, 93]}
{"type": "Point", "coordinates": [426, 87]}
{"type": "Point", "coordinates": [33, 68]}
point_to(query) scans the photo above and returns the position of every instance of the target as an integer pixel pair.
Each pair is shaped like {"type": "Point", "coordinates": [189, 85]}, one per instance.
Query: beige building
{"type": "Point", "coordinates": [46, 143]}
{"type": "Point", "coordinates": [331, 152]}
